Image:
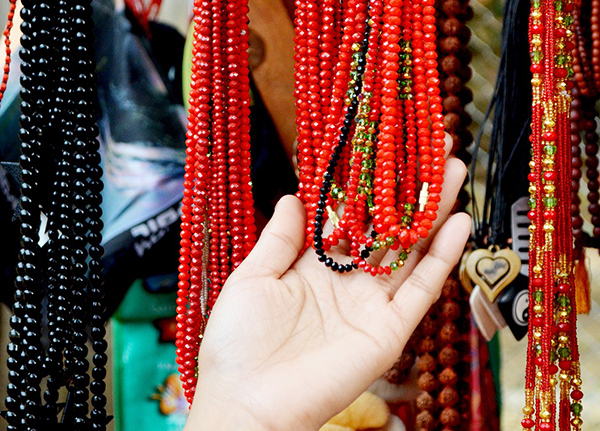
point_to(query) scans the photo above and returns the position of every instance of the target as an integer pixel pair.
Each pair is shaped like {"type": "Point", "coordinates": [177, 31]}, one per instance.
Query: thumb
{"type": "Point", "coordinates": [280, 242]}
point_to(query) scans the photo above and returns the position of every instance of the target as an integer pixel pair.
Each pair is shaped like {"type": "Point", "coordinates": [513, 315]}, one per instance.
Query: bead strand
{"type": "Point", "coordinates": [7, 50]}
{"type": "Point", "coordinates": [194, 199]}
{"type": "Point", "coordinates": [91, 179]}
{"type": "Point", "coordinates": [59, 223]}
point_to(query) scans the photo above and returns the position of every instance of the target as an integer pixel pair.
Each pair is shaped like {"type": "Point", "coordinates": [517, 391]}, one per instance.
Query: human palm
{"type": "Point", "coordinates": [290, 342]}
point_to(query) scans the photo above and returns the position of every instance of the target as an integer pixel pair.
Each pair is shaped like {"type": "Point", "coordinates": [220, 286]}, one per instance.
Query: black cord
{"type": "Point", "coordinates": [507, 167]}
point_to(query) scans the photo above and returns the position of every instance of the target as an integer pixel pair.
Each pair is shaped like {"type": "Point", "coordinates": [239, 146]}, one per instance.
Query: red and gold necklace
{"type": "Point", "coordinates": [553, 357]}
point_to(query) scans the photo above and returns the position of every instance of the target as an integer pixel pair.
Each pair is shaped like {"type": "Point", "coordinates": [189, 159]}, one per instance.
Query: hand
{"type": "Point", "coordinates": [290, 343]}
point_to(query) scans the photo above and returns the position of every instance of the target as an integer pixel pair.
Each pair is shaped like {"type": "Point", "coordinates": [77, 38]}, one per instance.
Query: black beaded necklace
{"type": "Point", "coordinates": [325, 189]}
{"type": "Point", "coordinates": [61, 180]}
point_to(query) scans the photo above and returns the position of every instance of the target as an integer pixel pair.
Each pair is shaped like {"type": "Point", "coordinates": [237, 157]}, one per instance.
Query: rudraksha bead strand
{"type": "Point", "coordinates": [576, 163]}
{"type": "Point", "coordinates": [455, 72]}
{"type": "Point", "coordinates": [427, 364]}
{"type": "Point", "coordinates": [590, 139]}
{"type": "Point", "coordinates": [450, 339]}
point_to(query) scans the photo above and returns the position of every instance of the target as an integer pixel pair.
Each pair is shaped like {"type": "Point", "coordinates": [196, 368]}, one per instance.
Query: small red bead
{"type": "Point", "coordinates": [576, 394]}
{"type": "Point", "coordinates": [527, 423]}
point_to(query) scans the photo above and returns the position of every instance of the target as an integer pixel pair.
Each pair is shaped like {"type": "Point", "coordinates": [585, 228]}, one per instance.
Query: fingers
{"type": "Point", "coordinates": [454, 178]}
{"type": "Point", "coordinates": [280, 242]}
{"type": "Point", "coordinates": [422, 288]}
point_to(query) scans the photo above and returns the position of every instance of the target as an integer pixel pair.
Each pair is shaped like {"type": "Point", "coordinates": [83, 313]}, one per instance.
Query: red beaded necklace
{"type": "Point", "coordinates": [6, 33]}
{"type": "Point", "coordinates": [552, 351]}
{"type": "Point", "coordinates": [217, 222]}
{"type": "Point", "coordinates": [370, 130]}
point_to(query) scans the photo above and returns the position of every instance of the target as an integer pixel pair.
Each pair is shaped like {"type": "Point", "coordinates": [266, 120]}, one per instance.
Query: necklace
{"type": "Point", "coordinates": [59, 159]}
{"type": "Point", "coordinates": [376, 135]}
{"type": "Point", "coordinates": [217, 223]}
{"type": "Point", "coordinates": [6, 33]}
{"type": "Point", "coordinates": [552, 345]}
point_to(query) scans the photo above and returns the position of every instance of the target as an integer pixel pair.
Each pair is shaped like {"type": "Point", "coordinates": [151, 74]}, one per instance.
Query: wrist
{"type": "Point", "coordinates": [209, 413]}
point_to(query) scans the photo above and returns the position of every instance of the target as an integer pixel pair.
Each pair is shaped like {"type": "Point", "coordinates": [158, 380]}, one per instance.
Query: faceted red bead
{"type": "Point", "coordinates": [527, 423]}
{"type": "Point", "coordinates": [576, 394]}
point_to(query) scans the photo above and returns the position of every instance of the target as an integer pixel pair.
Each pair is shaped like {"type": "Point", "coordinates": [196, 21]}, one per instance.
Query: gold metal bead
{"type": "Point", "coordinates": [564, 376]}
{"type": "Point", "coordinates": [563, 339]}
{"type": "Point", "coordinates": [536, 82]}
{"type": "Point", "coordinates": [539, 376]}
{"type": "Point", "coordinates": [544, 414]}
{"type": "Point", "coordinates": [538, 270]}
{"type": "Point", "coordinates": [576, 381]}
{"type": "Point", "coordinates": [537, 335]}
{"type": "Point", "coordinates": [552, 381]}
{"type": "Point", "coordinates": [332, 216]}
{"type": "Point", "coordinates": [531, 228]}
{"type": "Point", "coordinates": [577, 422]}
{"type": "Point", "coordinates": [563, 313]}
{"type": "Point", "coordinates": [550, 188]}
{"type": "Point", "coordinates": [528, 410]}
{"type": "Point", "coordinates": [538, 308]}
{"type": "Point", "coordinates": [548, 227]}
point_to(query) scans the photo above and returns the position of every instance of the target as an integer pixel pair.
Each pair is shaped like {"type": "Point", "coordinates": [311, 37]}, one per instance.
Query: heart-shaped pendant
{"type": "Point", "coordinates": [463, 276]}
{"type": "Point", "coordinates": [493, 269]}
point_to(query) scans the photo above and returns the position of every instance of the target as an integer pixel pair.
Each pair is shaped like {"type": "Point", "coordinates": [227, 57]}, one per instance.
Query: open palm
{"type": "Point", "coordinates": [290, 342]}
